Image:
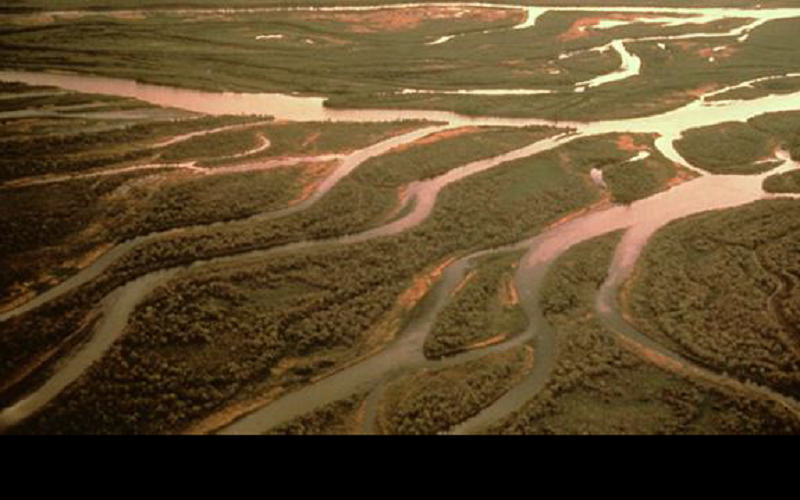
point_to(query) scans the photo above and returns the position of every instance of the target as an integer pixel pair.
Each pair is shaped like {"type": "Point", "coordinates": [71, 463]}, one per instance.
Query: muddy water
{"type": "Point", "coordinates": [71, 368]}
{"type": "Point", "coordinates": [641, 220]}
{"type": "Point", "coordinates": [404, 354]}
{"type": "Point", "coordinates": [118, 310]}
{"type": "Point", "coordinates": [739, 191]}
{"type": "Point", "coordinates": [312, 109]}
{"type": "Point", "coordinates": [118, 306]}
{"type": "Point", "coordinates": [706, 193]}
{"type": "Point", "coordinates": [671, 125]}
{"type": "Point", "coordinates": [349, 164]}
{"type": "Point", "coordinates": [631, 66]}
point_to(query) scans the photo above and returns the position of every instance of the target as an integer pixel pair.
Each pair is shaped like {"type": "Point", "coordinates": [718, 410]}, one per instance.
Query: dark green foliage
{"type": "Point", "coordinates": [46, 225]}
{"type": "Point", "coordinates": [478, 312]}
{"type": "Point", "coordinates": [67, 154]}
{"type": "Point", "coordinates": [360, 201]}
{"type": "Point", "coordinates": [372, 68]}
{"type": "Point", "coordinates": [308, 305]}
{"type": "Point", "coordinates": [326, 138]}
{"type": "Point", "coordinates": [783, 184]}
{"type": "Point", "coordinates": [211, 146]}
{"type": "Point", "coordinates": [721, 289]}
{"type": "Point", "coordinates": [206, 200]}
{"type": "Point", "coordinates": [334, 419]}
{"type": "Point", "coordinates": [576, 277]}
{"type": "Point", "coordinates": [400, 168]}
{"type": "Point", "coordinates": [633, 181]}
{"type": "Point", "coordinates": [431, 402]}
{"type": "Point", "coordinates": [761, 89]}
{"type": "Point", "coordinates": [627, 180]}
{"type": "Point", "coordinates": [731, 148]}
{"type": "Point", "coordinates": [742, 148]}
{"type": "Point", "coordinates": [599, 388]}
{"type": "Point", "coordinates": [785, 127]}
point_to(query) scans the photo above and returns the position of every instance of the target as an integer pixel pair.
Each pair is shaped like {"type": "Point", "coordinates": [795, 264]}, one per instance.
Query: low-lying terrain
{"type": "Point", "coordinates": [278, 217]}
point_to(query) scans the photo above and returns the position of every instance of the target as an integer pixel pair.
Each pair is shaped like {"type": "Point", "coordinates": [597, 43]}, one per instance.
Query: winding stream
{"type": "Point", "coordinates": [640, 221]}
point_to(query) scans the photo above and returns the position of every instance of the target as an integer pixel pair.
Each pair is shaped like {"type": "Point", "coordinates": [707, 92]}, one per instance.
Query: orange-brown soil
{"type": "Point", "coordinates": [406, 19]}
{"type": "Point", "coordinates": [603, 203]}
{"type": "Point", "coordinates": [508, 293]}
{"type": "Point", "coordinates": [583, 27]}
{"type": "Point", "coordinates": [420, 286]}
{"type": "Point", "coordinates": [723, 52]}
{"type": "Point", "coordinates": [438, 137]}
{"type": "Point", "coordinates": [464, 283]}
{"type": "Point", "coordinates": [629, 144]}
{"type": "Point", "coordinates": [313, 175]}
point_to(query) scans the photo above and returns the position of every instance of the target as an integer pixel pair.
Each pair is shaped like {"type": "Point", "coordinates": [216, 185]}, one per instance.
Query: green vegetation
{"type": "Point", "coordinates": [285, 139]}
{"type": "Point", "coordinates": [721, 290]}
{"type": "Point", "coordinates": [52, 229]}
{"type": "Point", "coordinates": [433, 401]}
{"type": "Point", "coordinates": [225, 330]}
{"type": "Point", "coordinates": [45, 227]}
{"type": "Point", "coordinates": [338, 418]}
{"type": "Point", "coordinates": [485, 307]}
{"type": "Point", "coordinates": [99, 5]}
{"type": "Point", "coordinates": [783, 184]}
{"type": "Point", "coordinates": [731, 148]}
{"type": "Point", "coordinates": [370, 195]}
{"type": "Point", "coordinates": [306, 139]}
{"type": "Point", "coordinates": [599, 388]}
{"type": "Point", "coordinates": [15, 88]}
{"type": "Point", "coordinates": [670, 78]}
{"type": "Point", "coordinates": [627, 179]}
{"type": "Point", "coordinates": [360, 202]}
{"type": "Point", "coordinates": [368, 59]}
{"type": "Point", "coordinates": [211, 146]}
{"type": "Point", "coordinates": [636, 180]}
{"type": "Point", "coordinates": [193, 201]}
{"type": "Point", "coordinates": [761, 89]}
{"type": "Point", "coordinates": [742, 148]}
{"type": "Point", "coordinates": [67, 154]}
{"type": "Point", "coordinates": [784, 127]}
{"type": "Point", "coordinates": [45, 98]}
{"type": "Point", "coordinates": [487, 210]}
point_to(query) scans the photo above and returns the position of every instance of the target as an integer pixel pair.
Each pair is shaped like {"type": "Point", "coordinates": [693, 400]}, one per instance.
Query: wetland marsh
{"type": "Point", "coordinates": [428, 218]}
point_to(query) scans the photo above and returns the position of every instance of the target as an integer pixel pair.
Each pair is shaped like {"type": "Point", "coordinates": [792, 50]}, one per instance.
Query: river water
{"type": "Point", "coordinates": [639, 220]}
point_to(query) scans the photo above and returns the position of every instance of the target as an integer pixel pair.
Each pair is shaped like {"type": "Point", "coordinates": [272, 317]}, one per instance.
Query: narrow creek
{"type": "Point", "coordinates": [640, 221]}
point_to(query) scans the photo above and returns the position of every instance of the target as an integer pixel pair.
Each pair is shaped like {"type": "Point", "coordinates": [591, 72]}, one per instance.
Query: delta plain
{"type": "Point", "coordinates": [389, 217]}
